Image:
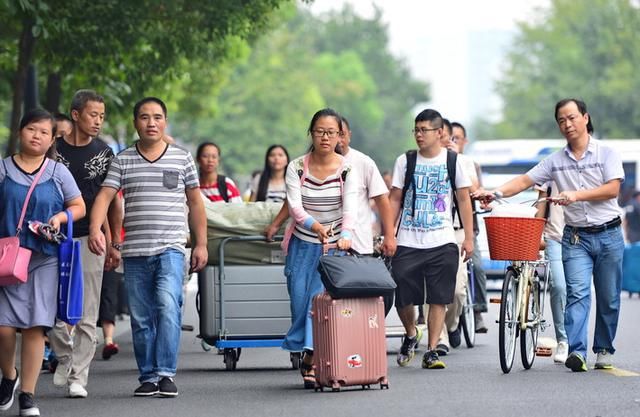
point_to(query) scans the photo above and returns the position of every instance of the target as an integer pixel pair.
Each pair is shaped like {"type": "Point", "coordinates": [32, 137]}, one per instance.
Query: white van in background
{"type": "Point", "coordinates": [502, 160]}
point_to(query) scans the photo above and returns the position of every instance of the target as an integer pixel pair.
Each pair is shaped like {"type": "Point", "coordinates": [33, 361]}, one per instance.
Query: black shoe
{"type": "Point", "coordinates": [167, 388]}
{"type": "Point", "coordinates": [28, 406]}
{"type": "Point", "coordinates": [442, 349]}
{"type": "Point", "coordinates": [146, 389]}
{"type": "Point", "coordinates": [454, 338]}
{"type": "Point", "coordinates": [8, 391]}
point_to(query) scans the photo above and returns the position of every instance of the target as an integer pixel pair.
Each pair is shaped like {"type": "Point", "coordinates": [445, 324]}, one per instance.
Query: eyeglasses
{"type": "Point", "coordinates": [423, 130]}
{"type": "Point", "coordinates": [329, 133]}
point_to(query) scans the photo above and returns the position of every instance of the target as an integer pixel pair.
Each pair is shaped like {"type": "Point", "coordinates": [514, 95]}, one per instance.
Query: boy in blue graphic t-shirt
{"type": "Point", "coordinates": [427, 255]}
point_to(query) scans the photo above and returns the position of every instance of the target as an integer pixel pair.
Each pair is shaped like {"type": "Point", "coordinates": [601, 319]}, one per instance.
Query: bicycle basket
{"type": "Point", "coordinates": [514, 238]}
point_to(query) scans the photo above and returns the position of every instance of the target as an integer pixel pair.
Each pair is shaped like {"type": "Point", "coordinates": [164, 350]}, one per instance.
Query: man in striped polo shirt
{"type": "Point", "coordinates": [154, 177]}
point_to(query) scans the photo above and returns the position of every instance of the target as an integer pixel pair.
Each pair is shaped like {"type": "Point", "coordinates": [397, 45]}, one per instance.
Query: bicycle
{"type": "Point", "coordinates": [517, 239]}
{"type": "Point", "coordinates": [467, 318]}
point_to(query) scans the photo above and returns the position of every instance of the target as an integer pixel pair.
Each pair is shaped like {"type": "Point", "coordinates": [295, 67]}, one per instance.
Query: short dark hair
{"type": "Point", "coordinates": [204, 145]}
{"type": "Point", "coordinates": [447, 123]}
{"type": "Point", "coordinates": [459, 125]}
{"type": "Point", "coordinates": [345, 123]}
{"type": "Point", "coordinates": [582, 108]}
{"type": "Point", "coordinates": [430, 115]}
{"type": "Point", "coordinates": [136, 107]}
{"type": "Point", "coordinates": [61, 117]}
{"type": "Point", "coordinates": [37, 115]}
{"type": "Point", "coordinates": [82, 97]}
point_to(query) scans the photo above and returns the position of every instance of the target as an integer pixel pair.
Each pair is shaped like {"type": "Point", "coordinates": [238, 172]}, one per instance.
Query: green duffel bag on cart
{"type": "Point", "coordinates": [242, 219]}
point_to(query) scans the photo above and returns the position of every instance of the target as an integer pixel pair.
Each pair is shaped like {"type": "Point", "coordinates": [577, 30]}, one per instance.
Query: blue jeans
{"type": "Point", "coordinates": [303, 283]}
{"type": "Point", "coordinates": [154, 287]}
{"type": "Point", "coordinates": [598, 255]}
{"type": "Point", "coordinates": [558, 288]}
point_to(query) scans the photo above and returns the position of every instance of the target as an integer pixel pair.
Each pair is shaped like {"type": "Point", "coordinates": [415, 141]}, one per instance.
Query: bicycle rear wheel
{"type": "Point", "coordinates": [508, 323]}
{"type": "Point", "coordinates": [467, 320]}
{"type": "Point", "coordinates": [529, 338]}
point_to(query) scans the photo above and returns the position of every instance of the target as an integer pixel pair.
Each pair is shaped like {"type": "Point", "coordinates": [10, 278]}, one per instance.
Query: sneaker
{"type": "Point", "coordinates": [408, 348]}
{"type": "Point", "coordinates": [442, 349]}
{"type": "Point", "coordinates": [77, 391]}
{"type": "Point", "coordinates": [604, 360]}
{"type": "Point", "coordinates": [8, 391]}
{"type": "Point", "coordinates": [167, 388]}
{"type": "Point", "coordinates": [561, 352]}
{"type": "Point", "coordinates": [61, 376]}
{"type": "Point", "coordinates": [146, 389]}
{"type": "Point", "coordinates": [480, 326]}
{"type": "Point", "coordinates": [28, 406]}
{"type": "Point", "coordinates": [576, 362]}
{"type": "Point", "coordinates": [454, 338]}
{"type": "Point", "coordinates": [430, 360]}
{"type": "Point", "coordinates": [109, 350]}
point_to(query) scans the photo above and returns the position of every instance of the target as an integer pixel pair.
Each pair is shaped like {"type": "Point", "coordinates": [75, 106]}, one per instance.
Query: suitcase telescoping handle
{"type": "Point", "coordinates": [338, 252]}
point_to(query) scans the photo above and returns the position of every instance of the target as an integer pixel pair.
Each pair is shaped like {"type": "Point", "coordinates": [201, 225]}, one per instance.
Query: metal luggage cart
{"type": "Point", "coordinates": [243, 306]}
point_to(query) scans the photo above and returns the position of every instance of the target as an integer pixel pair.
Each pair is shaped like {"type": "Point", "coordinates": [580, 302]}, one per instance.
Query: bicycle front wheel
{"type": "Point", "coordinates": [468, 321]}
{"type": "Point", "coordinates": [529, 338]}
{"type": "Point", "coordinates": [508, 323]}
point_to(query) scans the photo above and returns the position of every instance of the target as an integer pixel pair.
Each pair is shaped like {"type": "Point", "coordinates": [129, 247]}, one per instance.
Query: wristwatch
{"type": "Point", "coordinates": [116, 246]}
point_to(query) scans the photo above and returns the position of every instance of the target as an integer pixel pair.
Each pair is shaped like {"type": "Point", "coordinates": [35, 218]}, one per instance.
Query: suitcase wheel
{"type": "Point", "coordinates": [296, 359]}
{"type": "Point", "coordinates": [318, 388]}
{"type": "Point", "coordinates": [230, 359]}
{"type": "Point", "coordinates": [367, 386]}
{"type": "Point", "coordinates": [335, 389]}
{"type": "Point", "coordinates": [384, 386]}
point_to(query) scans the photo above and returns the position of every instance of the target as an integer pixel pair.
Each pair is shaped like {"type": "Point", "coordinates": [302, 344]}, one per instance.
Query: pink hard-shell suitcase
{"type": "Point", "coordinates": [349, 342]}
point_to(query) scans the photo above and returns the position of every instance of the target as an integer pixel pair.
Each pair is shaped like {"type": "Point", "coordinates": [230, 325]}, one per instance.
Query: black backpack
{"type": "Point", "coordinates": [412, 157]}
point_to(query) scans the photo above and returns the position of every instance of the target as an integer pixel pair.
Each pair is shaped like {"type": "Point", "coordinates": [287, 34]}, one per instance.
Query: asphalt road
{"type": "Point", "coordinates": [265, 385]}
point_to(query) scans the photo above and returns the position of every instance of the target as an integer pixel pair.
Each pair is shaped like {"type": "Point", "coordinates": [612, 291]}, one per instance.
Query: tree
{"type": "Point", "coordinates": [122, 48]}
{"type": "Point", "coordinates": [589, 50]}
{"type": "Point", "coordinates": [337, 60]}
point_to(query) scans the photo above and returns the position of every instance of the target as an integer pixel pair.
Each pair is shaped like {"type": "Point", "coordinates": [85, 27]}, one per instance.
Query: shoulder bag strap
{"type": "Point", "coordinates": [412, 159]}
{"type": "Point", "coordinates": [452, 159]}
{"type": "Point", "coordinates": [69, 224]}
{"type": "Point", "coordinates": [222, 188]}
{"type": "Point", "coordinates": [26, 200]}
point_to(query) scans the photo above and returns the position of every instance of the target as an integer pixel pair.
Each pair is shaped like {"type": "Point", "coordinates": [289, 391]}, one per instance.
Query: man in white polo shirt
{"type": "Point", "coordinates": [588, 174]}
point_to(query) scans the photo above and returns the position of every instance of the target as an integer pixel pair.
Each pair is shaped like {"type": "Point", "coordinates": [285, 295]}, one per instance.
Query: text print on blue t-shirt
{"type": "Point", "coordinates": [432, 187]}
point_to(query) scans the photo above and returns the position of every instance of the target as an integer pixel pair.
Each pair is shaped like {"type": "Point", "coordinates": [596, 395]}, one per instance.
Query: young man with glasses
{"type": "Point", "coordinates": [427, 255]}
{"type": "Point", "coordinates": [588, 174]}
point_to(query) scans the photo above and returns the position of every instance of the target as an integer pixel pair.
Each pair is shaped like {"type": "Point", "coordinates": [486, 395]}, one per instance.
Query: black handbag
{"type": "Point", "coordinates": [355, 276]}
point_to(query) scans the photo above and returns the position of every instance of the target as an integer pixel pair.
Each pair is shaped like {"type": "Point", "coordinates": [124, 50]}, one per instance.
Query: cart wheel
{"type": "Point", "coordinates": [296, 359]}
{"type": "Point", "coordinates": [230, 359]}
{"type": "Point", "coordinates": [205, 346]}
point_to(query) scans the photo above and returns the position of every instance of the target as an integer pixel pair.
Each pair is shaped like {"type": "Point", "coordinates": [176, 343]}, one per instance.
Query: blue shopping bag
{"type": "Point", "coordinates": [70, 285]}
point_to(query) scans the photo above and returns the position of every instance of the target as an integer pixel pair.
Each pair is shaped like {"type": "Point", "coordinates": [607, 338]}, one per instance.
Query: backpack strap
{"type": "Point", "coordinates": [222, 188]}
{"type": "Point", "coordinates": [452, 160]}
{"type": "Point", "coordinates": [412, 158]}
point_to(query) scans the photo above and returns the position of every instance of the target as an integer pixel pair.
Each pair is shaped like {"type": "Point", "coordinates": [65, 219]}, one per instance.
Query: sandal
{"type": "Point", "coordinates": [308, 375]}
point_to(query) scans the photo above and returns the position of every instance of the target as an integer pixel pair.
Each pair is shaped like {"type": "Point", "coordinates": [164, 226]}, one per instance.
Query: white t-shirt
{"type": "Point", "coordinates": [370, 184]}
{"type": "Point", "coordinates": [430, 226]}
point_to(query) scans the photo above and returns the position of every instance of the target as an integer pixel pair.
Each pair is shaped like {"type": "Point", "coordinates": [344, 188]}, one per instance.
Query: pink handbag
{"type": "Point", "coordinates": [14, 260]}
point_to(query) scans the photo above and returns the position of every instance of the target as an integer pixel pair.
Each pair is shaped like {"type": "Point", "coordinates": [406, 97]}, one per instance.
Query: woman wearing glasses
{"type": "Point", "coordinates": [321, 194]}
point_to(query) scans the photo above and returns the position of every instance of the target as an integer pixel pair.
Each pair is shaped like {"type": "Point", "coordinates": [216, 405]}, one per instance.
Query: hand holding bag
{"type": "Point", "coordinates": [14, 260]}
{"type": "Point", "coordinates": [70, 284]}
{"type": "Point", "coordinates": [355, 276]}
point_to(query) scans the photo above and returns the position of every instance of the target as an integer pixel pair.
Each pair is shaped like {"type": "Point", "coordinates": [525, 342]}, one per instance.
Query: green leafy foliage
{"type": "Point", "coordinates": [589, 50]}
{"type": "Point", "coordinates": [338, 60]}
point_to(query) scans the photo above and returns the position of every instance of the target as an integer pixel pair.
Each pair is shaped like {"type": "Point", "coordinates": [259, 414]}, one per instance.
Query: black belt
{"type": "Point", "coordinates": [600, 228]}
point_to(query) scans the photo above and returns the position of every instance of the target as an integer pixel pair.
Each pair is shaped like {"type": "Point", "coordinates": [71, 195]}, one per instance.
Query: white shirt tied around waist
{"type": "Point", "coordinates": [599, 165]}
